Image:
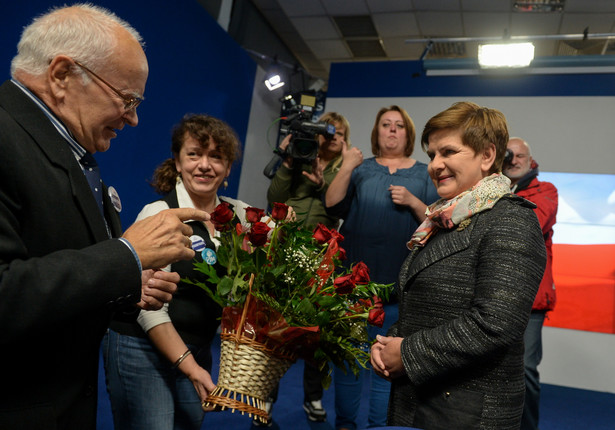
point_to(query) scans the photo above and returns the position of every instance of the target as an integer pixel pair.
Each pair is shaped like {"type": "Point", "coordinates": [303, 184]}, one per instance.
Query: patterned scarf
{"type": "Point", "coordinates": [450, 213]}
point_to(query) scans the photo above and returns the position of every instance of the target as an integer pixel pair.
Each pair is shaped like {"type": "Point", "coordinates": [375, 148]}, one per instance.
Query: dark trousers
{"type": "Point", "coordinates": [312, 385]}
{"type": "Point", "coordinates": [532, 358]}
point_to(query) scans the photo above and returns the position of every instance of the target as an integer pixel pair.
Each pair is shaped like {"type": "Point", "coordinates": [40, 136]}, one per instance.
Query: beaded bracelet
{"type": "Point", "coordinates": [181, 358]}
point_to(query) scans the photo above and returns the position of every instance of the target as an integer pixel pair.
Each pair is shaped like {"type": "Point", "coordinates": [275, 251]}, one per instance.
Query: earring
{"type": "Point", "coordinates": [178, 178]}
{"type": "Point", "coordinates": [225, 184]}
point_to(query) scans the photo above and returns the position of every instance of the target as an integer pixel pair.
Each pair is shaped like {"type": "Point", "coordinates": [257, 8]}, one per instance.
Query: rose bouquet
{"type": "Point", "coordinates": [284, 287]}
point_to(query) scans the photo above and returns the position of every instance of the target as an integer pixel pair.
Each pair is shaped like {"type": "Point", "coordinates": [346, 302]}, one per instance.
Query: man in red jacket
{"type": "Point", "coordinates": [522, 171]}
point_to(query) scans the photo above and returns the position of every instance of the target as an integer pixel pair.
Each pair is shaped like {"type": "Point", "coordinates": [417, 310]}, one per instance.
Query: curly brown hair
{"type": "Point", "coordinates": [202, 128]}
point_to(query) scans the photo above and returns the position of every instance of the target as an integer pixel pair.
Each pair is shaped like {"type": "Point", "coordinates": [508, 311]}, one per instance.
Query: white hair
{"type": "Point", "coordinates": [84, 32]}
{"type": "Point", "coordinates": [527, 145]}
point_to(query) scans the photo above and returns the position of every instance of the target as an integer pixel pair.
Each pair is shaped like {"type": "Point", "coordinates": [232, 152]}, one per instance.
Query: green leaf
{"type": "Point", "coordinates": [277, 271]}
{"type": "Point", "coordinates": [327, 301]}
{"type": "Point", "coordinates": [326, 382]}
{"type": "Point", "coordinates": [225, 286]}
{"type": "Point", "coordinates": [306, 307]}
{"type": "Point", "coordinates": [323, 318]}
{"type": "Point", "coordinates": [223, 256]}
{"type": "Point", "coordinates": [207, 270]}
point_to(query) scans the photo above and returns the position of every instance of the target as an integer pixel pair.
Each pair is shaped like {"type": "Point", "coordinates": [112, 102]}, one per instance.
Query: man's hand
{"type": "Point", "coordinates": [162, 239]}
{"type": "Point", "coordinates": [157, 288]}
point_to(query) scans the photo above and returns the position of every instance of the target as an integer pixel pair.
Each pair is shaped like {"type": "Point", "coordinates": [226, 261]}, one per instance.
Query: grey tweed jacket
{"type": "Point", "coordinates": [464, 303]}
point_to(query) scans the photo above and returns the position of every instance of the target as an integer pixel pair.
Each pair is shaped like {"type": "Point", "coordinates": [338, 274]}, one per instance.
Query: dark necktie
{"type": "Point", "coordinates": [92, 173]}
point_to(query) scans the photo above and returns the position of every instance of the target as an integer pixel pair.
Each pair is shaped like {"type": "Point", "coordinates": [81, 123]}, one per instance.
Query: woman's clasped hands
{"type": "Point", "coordinates": [386, 357]}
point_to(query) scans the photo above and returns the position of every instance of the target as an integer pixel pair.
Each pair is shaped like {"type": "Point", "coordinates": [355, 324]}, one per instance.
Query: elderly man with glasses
{"type": "Point", "coordinates": [65, 264]}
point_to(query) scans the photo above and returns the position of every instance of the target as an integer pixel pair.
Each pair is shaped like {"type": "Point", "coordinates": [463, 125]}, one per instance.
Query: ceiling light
{"type": "Point", "coordinates": [274, 82]}
{"type": "Point", "coordinates": [506, 55]}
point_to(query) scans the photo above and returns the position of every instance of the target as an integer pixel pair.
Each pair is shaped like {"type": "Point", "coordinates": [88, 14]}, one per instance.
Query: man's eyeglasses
{"type": "Point", "coordinates": [130, 102]}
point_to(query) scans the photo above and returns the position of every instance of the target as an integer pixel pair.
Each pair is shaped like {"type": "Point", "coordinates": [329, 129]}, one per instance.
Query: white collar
{"type": "Point", "coordinates": [183, 198]}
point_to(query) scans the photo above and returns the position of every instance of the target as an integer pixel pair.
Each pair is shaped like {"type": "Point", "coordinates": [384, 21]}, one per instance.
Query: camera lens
{"type": "Point", "coordinates": [304, 147]}
{"type": "Point", "coordinates": [508, 157]}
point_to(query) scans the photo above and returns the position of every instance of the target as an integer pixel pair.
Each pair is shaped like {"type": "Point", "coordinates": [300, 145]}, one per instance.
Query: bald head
{"type": "Point", "coordinates": [82, 31]}
{"type": "Point", "coordinates": [521, 161]}
{"type": "Point", "coordinates": [86, 65]}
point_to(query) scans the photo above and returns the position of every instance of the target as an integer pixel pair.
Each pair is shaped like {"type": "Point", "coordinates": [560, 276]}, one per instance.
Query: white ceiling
{"type": "Point", "coordinates": [310, 30]}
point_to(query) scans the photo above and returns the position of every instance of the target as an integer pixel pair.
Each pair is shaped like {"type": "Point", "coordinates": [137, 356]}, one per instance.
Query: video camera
{"type": "Point", "coordinates": [508, 157]}
{"type": "Point", "coordinates": [303, 146]}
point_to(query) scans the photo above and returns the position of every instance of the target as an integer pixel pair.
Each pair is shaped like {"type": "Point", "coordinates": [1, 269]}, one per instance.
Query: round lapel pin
{"type": "Point", "coordinates": [209, 256]}
{"type": "Point", "coordinates": [115, 199]}
{"type": "Point", "coordinates": [198, 244]}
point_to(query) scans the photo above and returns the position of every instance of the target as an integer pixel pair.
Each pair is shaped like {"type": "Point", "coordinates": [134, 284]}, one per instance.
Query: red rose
{"type": "Point", "coordinates": [376, 315]}
{"type": "Point", "coordinates": [258, 233]}
{"type": "Point", "coordinates": [321, 233]}
{"type": "Point", "coordinates": [341, 254]}
{"type": "Point", "coordinates": [360, 273]}
{"type": "Point", "coordinates": [221, 215]}
{"type": "Point", "coordinates": [336, 235]}
{"type": "Point", "coordinates": [279, 212]}
{"type": "Point", "coordinates": [366, 303]}
{"type": "Point", "coordinates": [344, 284]}
{"type": "Point", "coordinates": [254, 214]}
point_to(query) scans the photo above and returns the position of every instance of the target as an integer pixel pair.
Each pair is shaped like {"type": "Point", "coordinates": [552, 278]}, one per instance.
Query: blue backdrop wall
{"type": "Point", "coordinates": [410, 79]}
{"type": "Point", "coordinates": [195, 67]}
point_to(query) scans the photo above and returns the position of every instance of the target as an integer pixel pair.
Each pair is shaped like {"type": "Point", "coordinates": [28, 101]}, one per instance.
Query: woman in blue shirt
{"type": "Point", "coordinates": [382, 200]}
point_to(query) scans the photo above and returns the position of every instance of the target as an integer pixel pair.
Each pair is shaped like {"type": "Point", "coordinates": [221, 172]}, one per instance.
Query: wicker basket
{"type": "Point", "coordinates": [249, 371]}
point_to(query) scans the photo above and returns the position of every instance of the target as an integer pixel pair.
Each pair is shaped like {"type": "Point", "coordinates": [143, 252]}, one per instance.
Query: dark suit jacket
{"type": "Point", "coordinates": [60, 275]}
{"type": "Point", "coordinates": [465, 299]}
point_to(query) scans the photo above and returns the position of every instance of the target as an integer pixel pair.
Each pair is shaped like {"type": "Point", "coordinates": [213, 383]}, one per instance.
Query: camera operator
{"type": "Point", "coordinates": [523, 171]}
{"type": "Point", "coordinates": [301, 184]}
